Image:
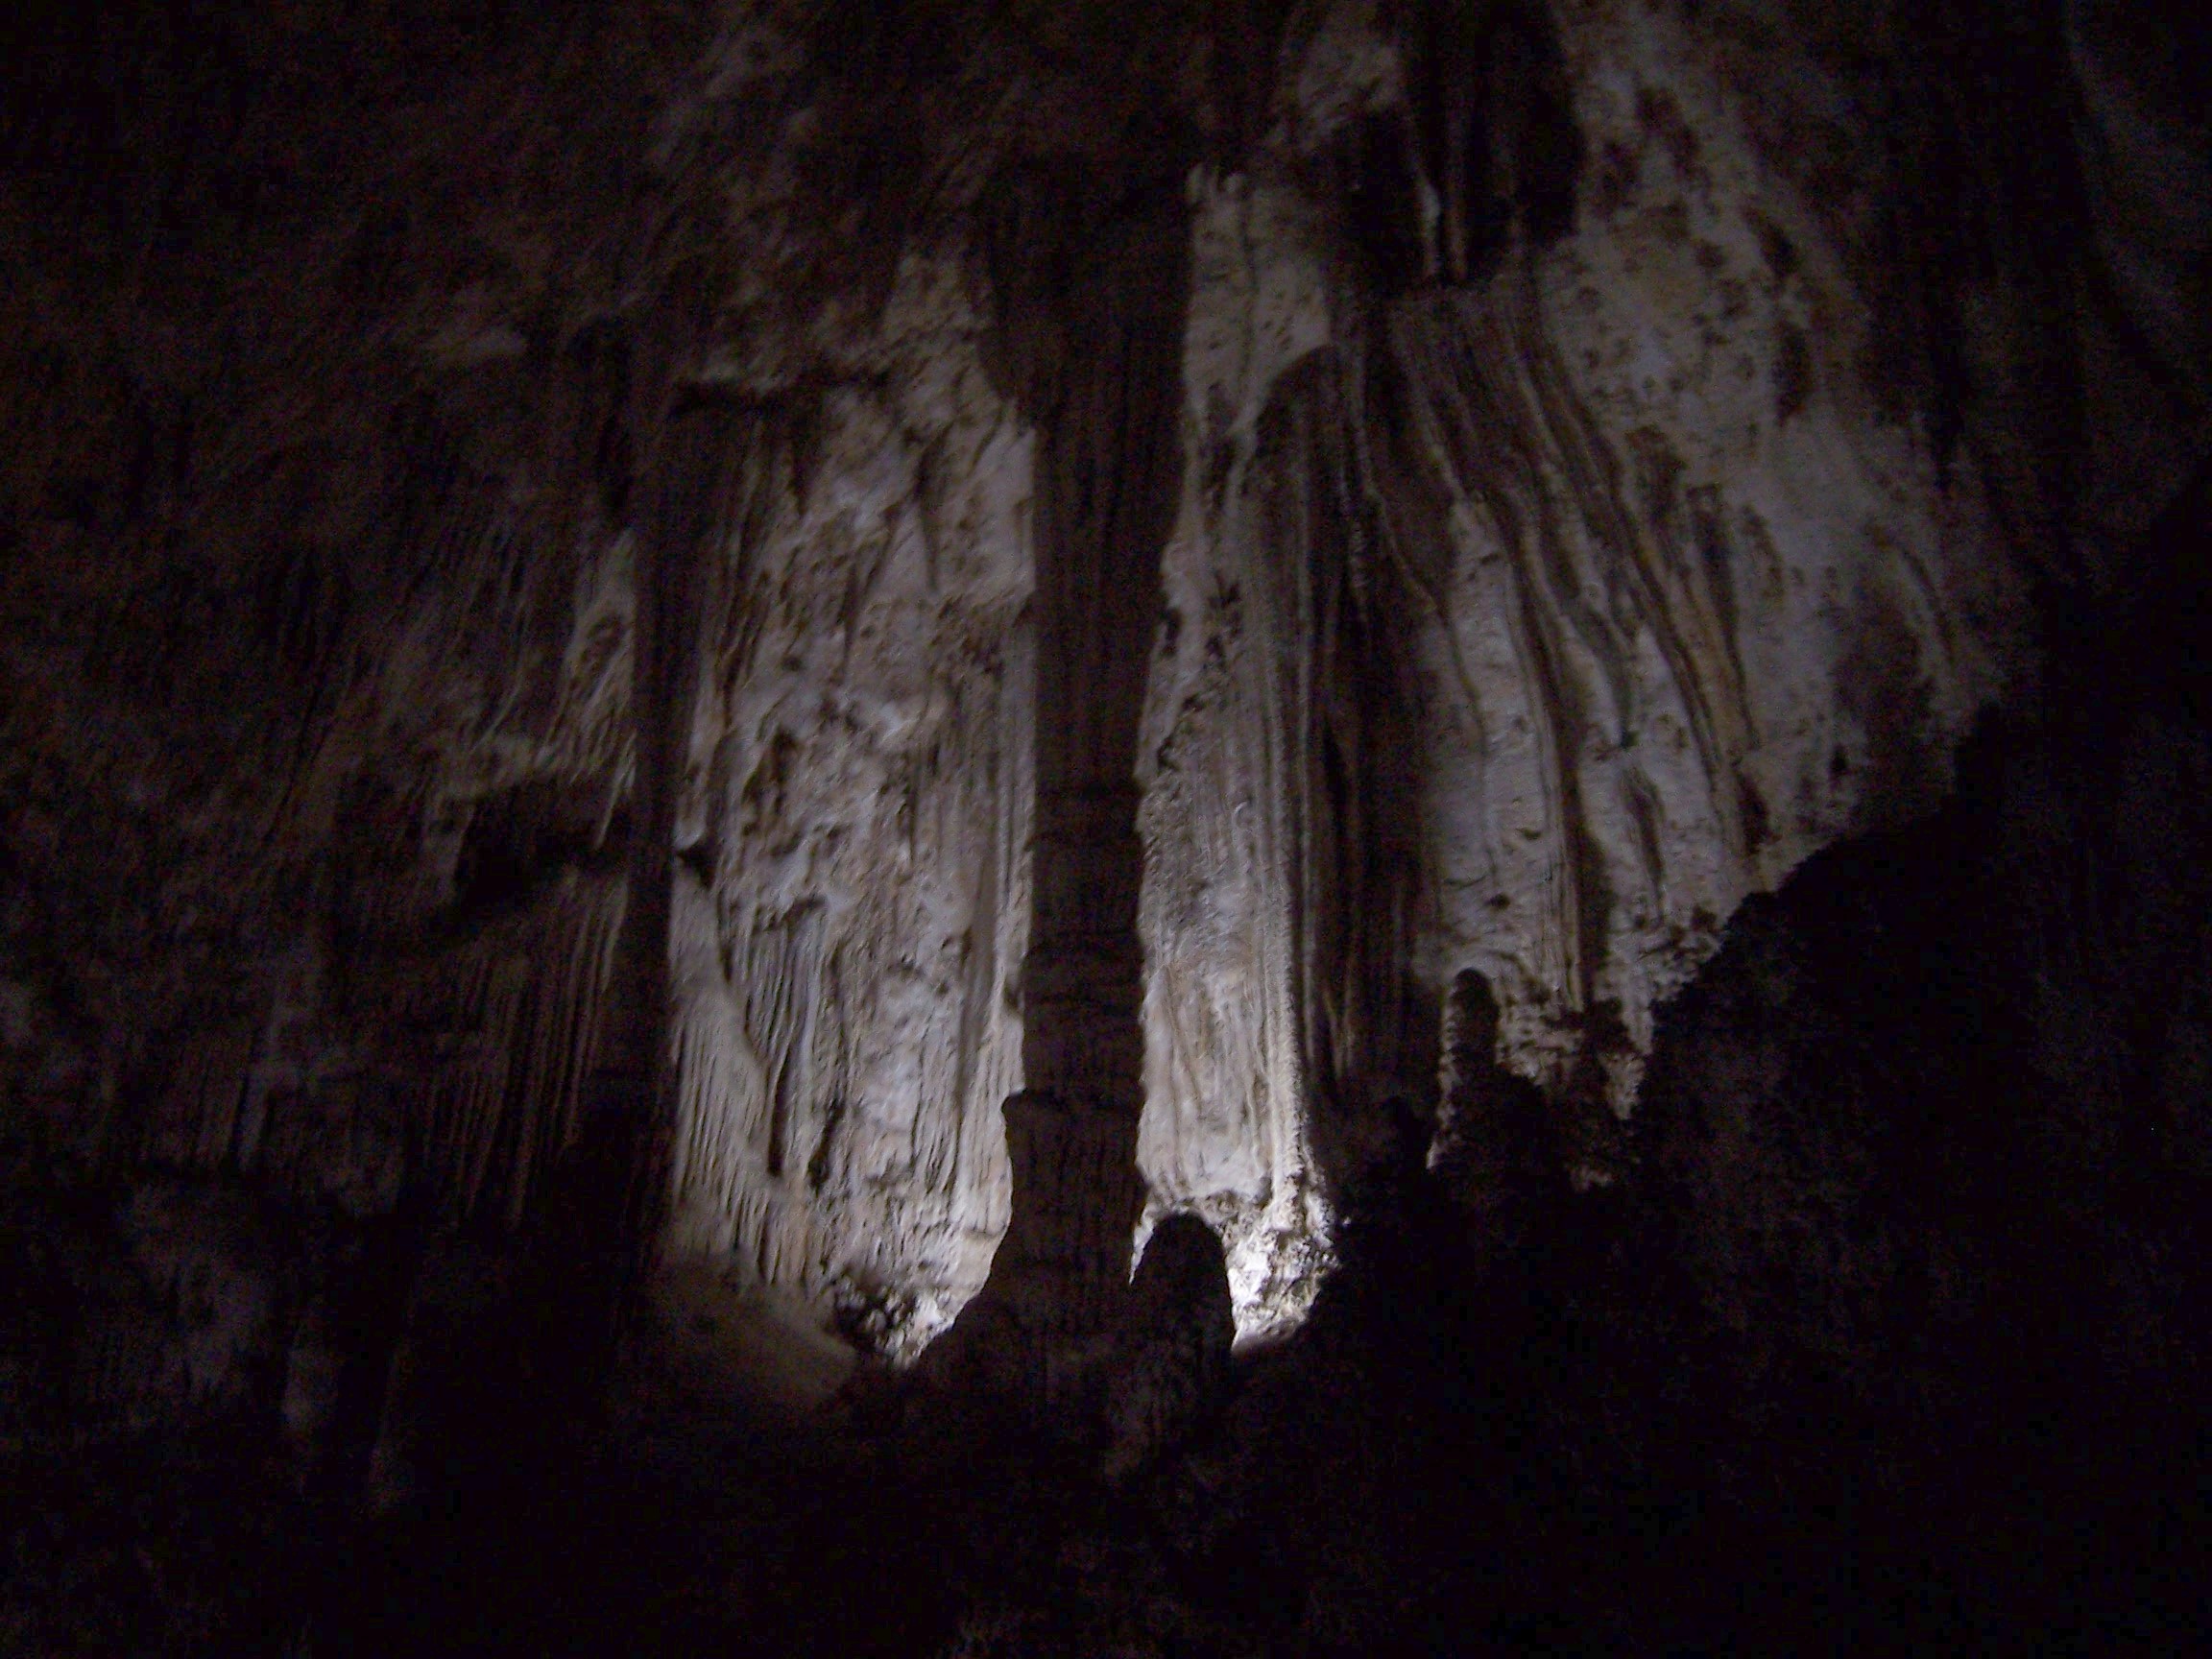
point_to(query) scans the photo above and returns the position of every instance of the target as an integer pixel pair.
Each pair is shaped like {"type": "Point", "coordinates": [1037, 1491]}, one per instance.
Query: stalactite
{"type": "Point", "coordinates": [1228, 1119]}
{"type": "Point", "coordinates": [1350, 793]}
{"type": "Point", "coordinates": [1281, 790]}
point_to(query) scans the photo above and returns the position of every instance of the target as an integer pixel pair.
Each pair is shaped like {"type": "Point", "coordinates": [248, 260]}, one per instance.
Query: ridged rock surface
{"type": "Point", "coordinates": [1565, 547]}
{"type": "Point", "coordinates": [1524, 625]}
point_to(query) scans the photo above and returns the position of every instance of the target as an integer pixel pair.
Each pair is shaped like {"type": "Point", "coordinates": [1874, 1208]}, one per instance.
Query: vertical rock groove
{"type": "Point", "coordinates": [1351, 800]}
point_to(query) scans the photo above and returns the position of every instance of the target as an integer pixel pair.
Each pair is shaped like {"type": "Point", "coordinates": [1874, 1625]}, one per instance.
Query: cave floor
{"type": "Point", "coordinates": [752, 1489]}
{"type": "Point", "coordinates": [755, 1489]}
{"type": "Point", "coordinates": [1373, 1484]}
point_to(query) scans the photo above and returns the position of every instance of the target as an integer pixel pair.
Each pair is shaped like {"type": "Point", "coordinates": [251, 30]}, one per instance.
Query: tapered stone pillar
{"type": "Point", "coordinates": [1108, 475]}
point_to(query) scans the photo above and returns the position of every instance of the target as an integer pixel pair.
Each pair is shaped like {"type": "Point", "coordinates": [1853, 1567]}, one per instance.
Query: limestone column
{"type": "Point", "coordinates": [1108, 477]}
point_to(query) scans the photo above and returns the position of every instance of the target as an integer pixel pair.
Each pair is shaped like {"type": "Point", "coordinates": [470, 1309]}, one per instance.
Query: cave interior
{"type": "Point", "coordinates": [1213, 827]}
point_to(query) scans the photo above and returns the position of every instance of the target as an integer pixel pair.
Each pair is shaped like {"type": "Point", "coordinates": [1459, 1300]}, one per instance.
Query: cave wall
{"type": "Point", "coordinates": [335, 529]}
{"type": "Point", "coordinates": [1539, 593]}
{"type": "Point", "coordinates": [1616, 445]}
{"type": "Point", "coordinates": [852, 892]}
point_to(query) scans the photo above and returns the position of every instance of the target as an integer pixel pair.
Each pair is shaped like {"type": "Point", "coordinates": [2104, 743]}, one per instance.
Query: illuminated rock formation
{"type": "Point", "coordinates": [1292, 504]}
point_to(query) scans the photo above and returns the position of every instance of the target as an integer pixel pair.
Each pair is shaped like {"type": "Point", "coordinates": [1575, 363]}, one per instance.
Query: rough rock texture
{"type": "Point", "coordinates": [1614, 446]}
{"type": "Point", "coordinates": [879, 647]}
{"type": "Point", "coordinates": [851, 898]}
{"type": "Point", "coordinates": [1549, 576]}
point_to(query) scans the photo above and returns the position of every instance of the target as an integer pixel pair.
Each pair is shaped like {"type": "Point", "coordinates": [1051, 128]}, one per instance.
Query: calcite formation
{"type": "Point", "coordinates": [1520, 624]}
{"type": "Point", "coordinates": [779, 583]}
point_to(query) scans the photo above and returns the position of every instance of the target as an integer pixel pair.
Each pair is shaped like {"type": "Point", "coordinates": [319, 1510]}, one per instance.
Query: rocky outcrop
{"type": "Point", "coordinates": [1916, 1172]}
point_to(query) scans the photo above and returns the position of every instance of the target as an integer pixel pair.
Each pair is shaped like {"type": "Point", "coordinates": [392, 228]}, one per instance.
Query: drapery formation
{"type": "Point", "coordinates": [1432, 489]}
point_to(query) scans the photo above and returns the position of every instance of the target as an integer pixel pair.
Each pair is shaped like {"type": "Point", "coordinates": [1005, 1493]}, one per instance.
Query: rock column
{"type": "Point", "coordinates": [1108, 477]}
